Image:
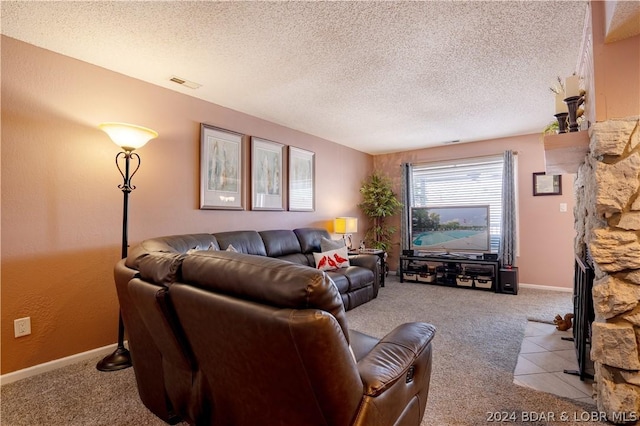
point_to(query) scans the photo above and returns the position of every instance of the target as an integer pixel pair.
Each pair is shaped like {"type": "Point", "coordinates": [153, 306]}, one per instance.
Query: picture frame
{"type": "Point", "coordinates": [544, 184]}
{"type": "Point", "coordinates": [267, 175]}
{"type": "Point", "coordinates": [302, 172]}
{"type": "Point", "coordinates": [221, 169]}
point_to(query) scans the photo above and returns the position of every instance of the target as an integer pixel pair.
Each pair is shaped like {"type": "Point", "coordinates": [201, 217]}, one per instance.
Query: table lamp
{"type": "Point", "coordinates": [345, 226]}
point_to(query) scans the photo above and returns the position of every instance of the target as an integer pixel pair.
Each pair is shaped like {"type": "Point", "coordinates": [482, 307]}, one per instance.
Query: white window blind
{"type": "Point", "coordinates": [476, 181]}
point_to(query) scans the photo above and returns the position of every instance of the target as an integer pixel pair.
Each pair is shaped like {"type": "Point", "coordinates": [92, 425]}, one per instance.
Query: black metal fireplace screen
{"type": "Point", "coordinates": [583, 317]}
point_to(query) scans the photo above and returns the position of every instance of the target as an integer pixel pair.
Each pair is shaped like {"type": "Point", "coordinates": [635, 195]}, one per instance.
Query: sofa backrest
{"type": "Point", "coordinates": [310, 239]}
{"type": "Point", "coordinates": [284, 245]}
{"type": "Point", "coordinates": [170, 244]}
{"type": "Point", "coordinates": [264, 280]}
{"type": "Point", "coordinates": [247, 242]}
{"type": "Point", "coordinates": [295, 246]}
{"type": "Point", "coordinates": [280, 242]}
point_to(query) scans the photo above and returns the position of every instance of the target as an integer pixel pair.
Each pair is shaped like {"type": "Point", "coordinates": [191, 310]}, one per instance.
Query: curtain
{"type": "Point", "coordinates": [507, 251]}
{"type": "Point", "coordinates": [405, 221]}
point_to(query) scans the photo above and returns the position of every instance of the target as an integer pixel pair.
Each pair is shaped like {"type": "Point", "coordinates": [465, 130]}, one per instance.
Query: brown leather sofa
{"type": "Point", "coordinates": [250, 340]}
{"type": "Point", "coordinates": [357, 284]}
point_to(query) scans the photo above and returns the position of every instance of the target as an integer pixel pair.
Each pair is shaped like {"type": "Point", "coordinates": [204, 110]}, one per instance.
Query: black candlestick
{"type": "Point", "coordinates": [572, 104]}
{"type": "Point", "coordinates": [562, 121]}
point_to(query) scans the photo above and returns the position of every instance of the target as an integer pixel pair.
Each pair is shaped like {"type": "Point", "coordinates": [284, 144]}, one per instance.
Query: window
{"type": "Point", "coordinates": [476, 181]}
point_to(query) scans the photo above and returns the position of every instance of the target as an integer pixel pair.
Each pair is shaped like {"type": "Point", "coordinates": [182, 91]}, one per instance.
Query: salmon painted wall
{"type": "Point", "coordinates": [546, 234]}
{"type": "Point", "coordinates": [62, 210]}
{"type": "Point", "coordinates": [616, 71]}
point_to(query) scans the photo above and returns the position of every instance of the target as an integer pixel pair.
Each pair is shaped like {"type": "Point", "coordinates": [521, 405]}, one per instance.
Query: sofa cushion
{"type": "Point", "coordinates": [248, 242]}
{"type": "Point", "coordinates": [358, 297]}
{"type": "Point", "coordinates": [341, 282]}
{"type": "Point", "coordinates": [310, 239]}
{"type": "Point", "coordinates": [355, 276]}
{"type": "Point", "coordinates": [264, 280]}
{"type": "Point", "coordinates": [280, 242]}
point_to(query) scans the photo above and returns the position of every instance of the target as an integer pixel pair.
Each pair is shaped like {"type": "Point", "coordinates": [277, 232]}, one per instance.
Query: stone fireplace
{"type": "Point", "coordinates": [607, 215]}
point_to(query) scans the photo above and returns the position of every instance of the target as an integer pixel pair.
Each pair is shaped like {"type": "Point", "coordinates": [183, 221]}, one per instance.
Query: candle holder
{"type": "Point", "coordinates": [572, 104]}
{"type": "Point", "coordinates": [562, 121]}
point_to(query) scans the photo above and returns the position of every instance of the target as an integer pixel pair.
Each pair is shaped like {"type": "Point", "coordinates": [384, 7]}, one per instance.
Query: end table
{"type": "Point", "coordinates": [384, 269]}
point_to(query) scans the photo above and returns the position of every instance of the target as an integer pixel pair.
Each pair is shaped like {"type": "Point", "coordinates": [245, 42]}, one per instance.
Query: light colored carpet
{"type": "Point", "coordinates": [478, 339]}
{"type": "Point", "coordinates": [475, 353]}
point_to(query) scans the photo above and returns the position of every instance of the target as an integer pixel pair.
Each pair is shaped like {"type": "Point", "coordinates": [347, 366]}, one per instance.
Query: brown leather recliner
{"type": "Point", "coordinates": [268, 344]}
{"type": "Point", "coordinates": [163, 379]}
{"type": "Point", "coordinates": [167, 382]}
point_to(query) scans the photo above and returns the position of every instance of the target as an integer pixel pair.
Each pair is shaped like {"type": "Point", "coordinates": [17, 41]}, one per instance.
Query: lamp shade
{"type": "Point", "coordinates": [345, 225]}
{"type": "Point", "coordinates": [128, 136]}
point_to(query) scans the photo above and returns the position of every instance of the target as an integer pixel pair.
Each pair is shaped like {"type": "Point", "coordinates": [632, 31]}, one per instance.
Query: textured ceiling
{"type": "Point", "coordinates": [376, 76]}
{"type": "Point", "coordinates": [622, 19]}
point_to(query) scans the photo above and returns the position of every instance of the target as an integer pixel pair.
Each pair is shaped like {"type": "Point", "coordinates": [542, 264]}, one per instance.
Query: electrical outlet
{"type": "Point", "coordinates": [563, 207]}
{"type": "Point", "coordinates": [22, 326]}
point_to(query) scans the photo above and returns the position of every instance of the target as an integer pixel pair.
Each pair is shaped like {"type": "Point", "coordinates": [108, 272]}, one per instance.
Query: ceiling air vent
{"type": "Point", "coordinates": [451, 142]}
{"type": "Point", "coordinates": [186, 83]}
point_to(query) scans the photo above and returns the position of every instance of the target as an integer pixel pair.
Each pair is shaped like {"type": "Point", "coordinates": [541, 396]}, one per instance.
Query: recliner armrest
{"type": "Point", "coordinates": [390, 359]}
{"type": "Point", "coordinates": [369, 261]}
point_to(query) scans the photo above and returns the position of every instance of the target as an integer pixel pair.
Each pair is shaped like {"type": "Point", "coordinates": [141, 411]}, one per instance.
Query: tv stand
{"type": "Point", "coordinates": [452, 270]}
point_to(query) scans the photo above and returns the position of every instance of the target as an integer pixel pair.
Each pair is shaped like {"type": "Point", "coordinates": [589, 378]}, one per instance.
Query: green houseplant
{"type": "Point", "coordinates": [379, 202]}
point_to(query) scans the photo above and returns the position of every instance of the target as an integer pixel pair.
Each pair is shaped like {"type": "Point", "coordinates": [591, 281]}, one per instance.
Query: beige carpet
{"type": "Point", "coordinates": [475, 352]}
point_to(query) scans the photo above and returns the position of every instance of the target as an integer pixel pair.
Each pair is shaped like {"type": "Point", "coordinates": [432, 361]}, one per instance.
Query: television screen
{"type": "Point", "coordinates": [450, 229]}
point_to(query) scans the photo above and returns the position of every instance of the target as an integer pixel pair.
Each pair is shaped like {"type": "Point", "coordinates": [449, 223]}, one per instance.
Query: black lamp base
{"type": "Point", "coordinates": [119, 360]}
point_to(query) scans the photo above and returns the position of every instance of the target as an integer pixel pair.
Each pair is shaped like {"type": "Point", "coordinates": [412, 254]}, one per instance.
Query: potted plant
{"type": "Point", "coordinates": [379, 202]}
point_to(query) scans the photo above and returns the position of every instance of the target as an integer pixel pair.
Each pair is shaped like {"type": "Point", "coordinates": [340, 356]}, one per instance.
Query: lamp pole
{"type": "Point", "coordinates": [128, 137]}
{"type": "Point", "coordinates": [121, 358]}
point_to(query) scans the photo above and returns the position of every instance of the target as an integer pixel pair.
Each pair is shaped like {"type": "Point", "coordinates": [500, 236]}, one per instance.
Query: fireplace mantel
{"type": "Point", "coordinates": [565, 152]}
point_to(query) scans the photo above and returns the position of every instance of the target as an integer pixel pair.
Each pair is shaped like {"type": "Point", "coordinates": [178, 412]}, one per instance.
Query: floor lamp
{"type": "Point", "coordinates": [129, 137]}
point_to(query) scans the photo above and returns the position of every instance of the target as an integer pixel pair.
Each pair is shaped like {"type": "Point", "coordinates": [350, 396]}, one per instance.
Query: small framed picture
{"type": "Point", "coordinates": [544, 184]}
{"type": "Point", "coordinates": [301, 180]}
{"type": "Point", "coordinates": [267, 175]}
{"type": "Point", "coordinates": [221, 169]}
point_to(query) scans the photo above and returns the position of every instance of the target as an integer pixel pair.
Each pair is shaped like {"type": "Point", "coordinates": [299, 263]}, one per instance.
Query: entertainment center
{"type": "Point", "coordinates": [481, 272]}
{"type": "Point", "coordinates": [451, 246]}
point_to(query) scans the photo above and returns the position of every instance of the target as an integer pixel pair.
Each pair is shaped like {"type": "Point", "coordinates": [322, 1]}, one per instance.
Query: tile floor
{"type": "Point", "coordinates": [543, 358]}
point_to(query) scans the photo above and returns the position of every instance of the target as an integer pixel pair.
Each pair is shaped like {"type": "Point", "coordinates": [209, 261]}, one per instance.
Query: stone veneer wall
{"type": "Point", "coordinates": [608, 226]}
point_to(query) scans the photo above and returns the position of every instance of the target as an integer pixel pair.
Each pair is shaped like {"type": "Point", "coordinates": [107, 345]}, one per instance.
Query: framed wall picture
{"type": "Point", "coordinates": [221, 169]}
{"type": "Point", "coordinates": [267, 175]}
{"type": "Point", "coordinates": [544, 184]}
{"type": "Point", "coordinates": [301, 180]}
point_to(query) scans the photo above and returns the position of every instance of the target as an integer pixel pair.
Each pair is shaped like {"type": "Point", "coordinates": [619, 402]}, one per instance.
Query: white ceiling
{"type": "Point", "coordinates": [375, 76]}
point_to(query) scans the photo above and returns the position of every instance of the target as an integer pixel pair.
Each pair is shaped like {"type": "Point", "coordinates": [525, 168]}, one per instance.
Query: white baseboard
{"type": "Point", "coordinates": [5, 379]}
{"type": "Point", "coordinates": [546, 287]}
